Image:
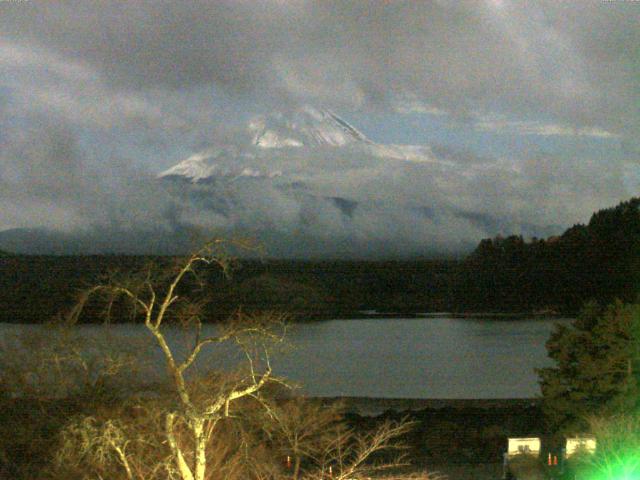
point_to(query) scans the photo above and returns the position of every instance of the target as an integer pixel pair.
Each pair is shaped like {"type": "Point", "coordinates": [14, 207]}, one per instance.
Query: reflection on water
{"type": "Point", "coordinates": [396, 358]}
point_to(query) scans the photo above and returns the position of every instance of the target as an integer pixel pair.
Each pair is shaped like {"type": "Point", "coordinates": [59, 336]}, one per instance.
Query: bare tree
{"type": "Point", "coordinates": [57, 361]}
{"type": "Point", "coordinates": [317, 442]}
{"type": "Point", "coordinates": [158, 300]}
{"type": "Point", "coordinates": [195, 421]}
{"type": "Point", "coordinates": [301, 429]}
{"type": "Point", "coordinates": [351, 455]}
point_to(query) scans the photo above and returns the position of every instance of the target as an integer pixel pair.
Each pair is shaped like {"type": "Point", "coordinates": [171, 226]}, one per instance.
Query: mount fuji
{"type": "Point", "coordinates": [298, 132]}
{"type": "Point", "coordinates": [307, 184]}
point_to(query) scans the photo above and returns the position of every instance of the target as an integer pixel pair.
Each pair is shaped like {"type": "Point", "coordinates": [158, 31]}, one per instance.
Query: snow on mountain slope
{"type": "Point", "coordinates": [307, 126]}
{"type": "Point", "coordinates": [194, 168]}
{"type": "Point", "coordinates": [297, 133]}
{"type": "Point", "coordinates": [219, 162]}
{"type": "Point", "coordinates": [409, 153]}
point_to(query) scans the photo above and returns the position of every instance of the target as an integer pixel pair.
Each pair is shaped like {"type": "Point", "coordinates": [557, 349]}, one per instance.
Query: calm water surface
{"type": "Point", "coordinates": [400, 358]}
{"type": "Point", "coordinates": [419, 358]}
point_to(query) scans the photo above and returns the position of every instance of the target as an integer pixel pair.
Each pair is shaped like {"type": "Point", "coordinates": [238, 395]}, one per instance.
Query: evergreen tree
{"type": "Point", "coordinates": [597, 371]}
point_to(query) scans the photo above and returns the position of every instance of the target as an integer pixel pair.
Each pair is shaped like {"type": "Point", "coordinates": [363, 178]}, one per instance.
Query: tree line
{"type": "Point", "coordinates": [598, 261]}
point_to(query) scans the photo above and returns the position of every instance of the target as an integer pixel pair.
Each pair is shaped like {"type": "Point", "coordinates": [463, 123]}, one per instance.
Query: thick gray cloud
{"type": "Point", "coordinates": [48, 180]}
{"type": "Point", "coordinates": [396, 207]}
{"type": "Point", "coordinates": [575, 61]}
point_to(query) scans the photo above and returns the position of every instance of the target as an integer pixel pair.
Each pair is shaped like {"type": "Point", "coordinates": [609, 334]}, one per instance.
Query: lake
{"type": "Point", "coordinates": [435, 357]}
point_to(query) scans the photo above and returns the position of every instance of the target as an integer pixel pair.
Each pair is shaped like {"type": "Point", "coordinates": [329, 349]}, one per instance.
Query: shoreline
{"type": "Point", "coordinates": [299, 318]}
{"type": "Point", "coordinates": [375, 406]}
{"type": "Point", "coordinates": [465, 438]}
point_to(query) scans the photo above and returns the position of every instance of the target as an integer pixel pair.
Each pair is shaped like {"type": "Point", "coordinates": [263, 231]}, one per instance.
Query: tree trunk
{"type": "Point", "coordinates": [296, 468]}
{"type": "Point", "coordinates": [200, 441]}
{"type": "Point", "coordinates": [183, 468]}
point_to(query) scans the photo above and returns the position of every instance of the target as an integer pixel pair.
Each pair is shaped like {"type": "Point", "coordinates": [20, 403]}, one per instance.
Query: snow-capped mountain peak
{"type": "Point", "coordinates": [306, 129]}
{"type": "Point", "coordinates": [307, 126]}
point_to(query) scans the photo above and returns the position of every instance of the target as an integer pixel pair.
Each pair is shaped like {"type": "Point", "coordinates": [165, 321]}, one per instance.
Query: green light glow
{"type": "Point", "coordinates": [620, 467]}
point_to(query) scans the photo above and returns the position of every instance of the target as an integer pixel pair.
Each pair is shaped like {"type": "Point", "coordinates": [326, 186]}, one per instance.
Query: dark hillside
{"type": "Point", "coordinates": [36, 288]}
{"type": "Point", "coordinates": [599, 261]}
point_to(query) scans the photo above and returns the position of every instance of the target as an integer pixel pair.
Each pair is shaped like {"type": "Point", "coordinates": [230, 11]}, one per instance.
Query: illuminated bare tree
{"type": "Point", "coordinates": [158, 300]}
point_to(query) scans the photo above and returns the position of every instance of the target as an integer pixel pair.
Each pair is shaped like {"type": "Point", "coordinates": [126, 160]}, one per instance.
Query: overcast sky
{"type": "Point", "coordinates": [535, 103]}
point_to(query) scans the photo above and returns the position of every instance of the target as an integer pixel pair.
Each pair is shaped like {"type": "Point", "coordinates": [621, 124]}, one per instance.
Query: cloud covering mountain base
{"type": "Point", "coordinates": [318, 188]}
